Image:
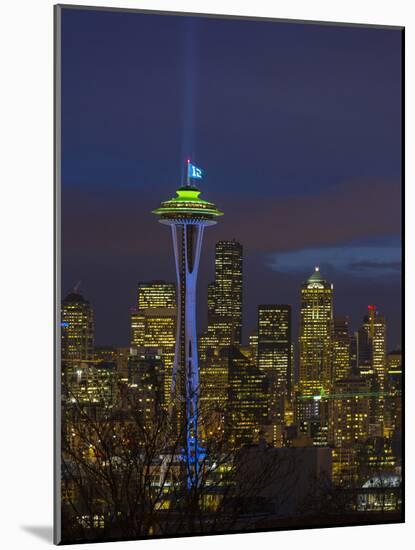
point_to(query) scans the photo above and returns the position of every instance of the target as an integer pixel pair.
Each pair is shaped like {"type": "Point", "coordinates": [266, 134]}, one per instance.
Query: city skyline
{"type": "Point", "coordinates": [354, 319]}
{"type": "Point", "coordinates": [250, 376]}
{"type": "Point", "coordinates": [310, 177]}
{"type": "Point", "coordinates": [160, 295]}
{"type": "Point", "coordinates": [344, 393]}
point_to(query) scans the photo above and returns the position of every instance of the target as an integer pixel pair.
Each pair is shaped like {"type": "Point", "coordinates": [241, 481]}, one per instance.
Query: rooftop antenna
{"type": "Point", "coordinates": [76, 287]}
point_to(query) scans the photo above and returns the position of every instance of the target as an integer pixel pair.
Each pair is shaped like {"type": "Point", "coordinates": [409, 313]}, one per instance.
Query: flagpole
{"type": "Point", "coordinates": [187, 173]}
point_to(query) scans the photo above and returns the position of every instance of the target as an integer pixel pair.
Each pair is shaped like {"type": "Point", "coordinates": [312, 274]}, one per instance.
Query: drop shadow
{"type": "Point", "coordinates": [43, 532]}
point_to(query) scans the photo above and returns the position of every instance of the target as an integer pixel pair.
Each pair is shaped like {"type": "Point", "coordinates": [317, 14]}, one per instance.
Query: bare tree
{"type": "Point", "coordinates": [124, 475]}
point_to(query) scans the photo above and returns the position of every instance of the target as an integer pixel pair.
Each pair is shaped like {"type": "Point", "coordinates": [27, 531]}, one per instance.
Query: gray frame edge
{"type": "Point", "coordinates": [57, 12]}
{"type": "Point", "coordinates": [227, 16]}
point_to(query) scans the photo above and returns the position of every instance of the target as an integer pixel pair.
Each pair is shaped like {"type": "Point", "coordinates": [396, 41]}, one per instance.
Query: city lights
{"type": "Point", "coordinates": [223, 416]}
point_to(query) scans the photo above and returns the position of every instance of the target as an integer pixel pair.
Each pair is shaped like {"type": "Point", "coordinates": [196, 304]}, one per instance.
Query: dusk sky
{"type": "Point", "coordinates": [297, 128]}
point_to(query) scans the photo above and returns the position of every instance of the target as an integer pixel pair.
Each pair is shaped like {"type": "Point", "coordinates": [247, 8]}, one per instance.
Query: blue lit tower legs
{"type": "Point", "coordinates": [187, 215]}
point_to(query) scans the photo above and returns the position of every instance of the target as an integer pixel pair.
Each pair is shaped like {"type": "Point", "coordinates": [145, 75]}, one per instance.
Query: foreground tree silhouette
{"type": "Point", "coordinates": [123, 473]}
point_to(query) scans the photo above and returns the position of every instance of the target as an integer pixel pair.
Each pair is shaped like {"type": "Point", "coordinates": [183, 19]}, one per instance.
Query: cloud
{"type": "Point", "coordinates": [356, 261]}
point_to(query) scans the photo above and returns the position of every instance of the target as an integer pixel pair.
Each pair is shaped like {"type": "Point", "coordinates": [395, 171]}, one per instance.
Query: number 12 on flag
{"type": "Point", "coordinates": [193, 172]}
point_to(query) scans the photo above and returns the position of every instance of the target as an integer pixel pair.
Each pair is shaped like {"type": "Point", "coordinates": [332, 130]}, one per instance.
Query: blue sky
{"type": "Point", "coordinates": [298, 130]}
{"type": "Point", "coordinates": [380, 258]}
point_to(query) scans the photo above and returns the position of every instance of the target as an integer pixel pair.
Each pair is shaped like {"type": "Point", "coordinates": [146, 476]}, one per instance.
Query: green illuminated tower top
{"type": "Point", "coordinates": [187, 215]}
{"type": "Point", "coordinates": [187, 206]}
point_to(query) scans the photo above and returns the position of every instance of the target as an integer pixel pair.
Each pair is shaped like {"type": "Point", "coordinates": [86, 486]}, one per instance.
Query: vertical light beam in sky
{"type": "Point", "coordinates": [189, 82]}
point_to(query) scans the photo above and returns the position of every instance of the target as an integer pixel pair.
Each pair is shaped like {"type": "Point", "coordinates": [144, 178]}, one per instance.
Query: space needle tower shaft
{"type": "Point", "coordinates": [188, 216]}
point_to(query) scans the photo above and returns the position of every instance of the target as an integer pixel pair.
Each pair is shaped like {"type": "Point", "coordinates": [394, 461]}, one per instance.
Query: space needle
{"type": "Point", "coordinates": [187, 215]}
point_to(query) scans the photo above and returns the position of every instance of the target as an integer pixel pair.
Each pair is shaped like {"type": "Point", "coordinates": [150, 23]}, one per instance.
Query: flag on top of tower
{"type": "Point", "coordinates": [193, 172]}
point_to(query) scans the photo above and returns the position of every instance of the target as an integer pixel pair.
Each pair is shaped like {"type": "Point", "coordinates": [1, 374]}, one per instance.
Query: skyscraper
{"type": "Point", "coordinates": [316, 317]}
{"type": "Point", "coordinates": [156, 294]}
{"type": "Point", "coordinates": [87, 380]}
{"type": "Point", "coordinates": [374, 326]}
{"type": "Point", "coordinates": [253, 343]}
{"type": "Point", "coordinates": [224, 322]}
{"type": "Point", "coordinates": [274, 343]}
{"type": "Point", "coordinates": [360, 353]}
{"type": "Point", "coordinates": [247, 407]}
{"type": "Point", "coordinates": [214, 380]}
{"type": "Point", "coordinates": [77, 328]}
{"type": "Point", "coordinates": [274, 356]}
{"type": "Point", "coordinates": [224, 300]}
{"type": "Point", "coordinates": [393, 399]}
{"type": "Point", "coordinates": [153, 324]}
{"type": "Point", "coordinates": [341, 348]}
{"type": "Point", "coordinates": [211, 300]}
{"type": "Point", "coordinates": [146, 388]}
{"type": "Point", "coordinates": [349, 418]}
{"type": "Point", "coordinates": [227, 291]}
{"type": "Point", "coordinates": [187, 215]}
{"type": "Point", "coordinates": [315, 340]}
{"type": "Point", "coordinates": [214, 390]}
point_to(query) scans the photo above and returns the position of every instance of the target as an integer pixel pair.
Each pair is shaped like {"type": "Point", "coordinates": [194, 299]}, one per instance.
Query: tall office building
{"type": "Point", "coordinates": [188, 216]}
{"type": "Point", "coordinates": [225, 298]}
{"type": "Point", "coordinates": [368, 351]}
{"type": "Point", "coordinates": [122, 362]}
{"type": "Point", "coordinates": [137, 327]}
{"type": "Point", "coordinates": [315, 340]}
{"type": "Point", "coordinates": [227, 290]}
{"type": "Point", "coordinates": [375, 327]}
{"type": "Point", "coordinates": [211, 300]}
{"type": "Point", "coordinates": [88, 379]}
{"type": "Point", "coordinates": [274, 343]}
{"type": "Point", "coordinates": [354, 342]}
{"type": "Point", "coordinates": [214, 388]}
{"type": "Point", "coordinates": [315, 357]}
{"type": "Point", "coordinates": [341, 348]}
{"type": "Point", "coordinates": [247, 408]}
{"type": "Point", "coordinates": [77, 328]}
{"type": "Point", "coordinates": [153, 324]}
{"type": "Point", "coordinates": [155, 294]}
{"type": "Point", "coordinates": [349, 423]}
{"type": "Point", "coordinates": [253, 343]}
{"type": "Point", "coordinates": [216, 336]}
{"type": "Point", "coordinates": [360, 353]}
{"type": "Point", "coordinates": [146, 385]}
{"type": "Point", "coordinates": [91, 384]}
{"type": "Point", "coordinates": [393, 398]}
{"type": "Point", "coordinates": [274, 355]}
{"type": "Point", "coordinates": [214, 381]}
